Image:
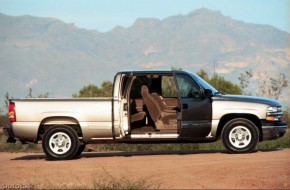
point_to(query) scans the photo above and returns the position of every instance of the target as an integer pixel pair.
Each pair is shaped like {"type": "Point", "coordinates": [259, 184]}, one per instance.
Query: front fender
{"type": "Point", "coordinates": [222, 108]}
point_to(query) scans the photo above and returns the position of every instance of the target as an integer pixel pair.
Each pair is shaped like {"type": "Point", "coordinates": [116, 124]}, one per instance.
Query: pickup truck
{"type": "Point", "coordinates": [146, 107]}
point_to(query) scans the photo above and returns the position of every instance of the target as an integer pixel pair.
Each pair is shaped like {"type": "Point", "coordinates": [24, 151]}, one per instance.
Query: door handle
{"type": "Point", "coordinates": [125, 107]}
{"type": "Point", "coordinates": [184, 106]}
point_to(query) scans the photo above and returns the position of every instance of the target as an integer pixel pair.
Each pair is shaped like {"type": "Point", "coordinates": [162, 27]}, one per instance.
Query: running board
{"type": "Point", "coordinates": [154, 135]}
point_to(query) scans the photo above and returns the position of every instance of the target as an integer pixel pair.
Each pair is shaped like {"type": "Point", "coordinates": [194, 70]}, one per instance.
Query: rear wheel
{"type": "Point", "coordinates": [240, 136]}
{"type": "Point", "coordinates": [60, 143]}
{"type": "Point", "coordinates": [80, 150]}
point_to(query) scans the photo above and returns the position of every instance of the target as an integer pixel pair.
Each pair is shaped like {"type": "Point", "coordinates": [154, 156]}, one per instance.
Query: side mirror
{"type": "Point", "coordinates": [207, 93]}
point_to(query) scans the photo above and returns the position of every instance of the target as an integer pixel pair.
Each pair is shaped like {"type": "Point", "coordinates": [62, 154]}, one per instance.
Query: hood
{"type": "Point", "coordinates": [254, 99]}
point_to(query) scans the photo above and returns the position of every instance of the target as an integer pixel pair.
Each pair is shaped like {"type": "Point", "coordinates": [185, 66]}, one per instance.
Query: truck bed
{"type": "Point", "coordinates": [92, 114]}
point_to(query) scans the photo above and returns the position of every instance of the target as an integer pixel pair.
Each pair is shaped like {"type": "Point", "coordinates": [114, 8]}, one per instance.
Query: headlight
{"type": "Point", "coordinates": [274, 114]}
{"type": "Point", "coordinates": [274, 109]}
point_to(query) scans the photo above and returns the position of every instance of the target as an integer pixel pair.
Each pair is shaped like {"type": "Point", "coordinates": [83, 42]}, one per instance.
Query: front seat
{"type": "Point", "coordinates": [137, 116]}
{"type": "Point", "coordinates": [162, 119]}
{"type": "Point", "coordinates": [161, 103]}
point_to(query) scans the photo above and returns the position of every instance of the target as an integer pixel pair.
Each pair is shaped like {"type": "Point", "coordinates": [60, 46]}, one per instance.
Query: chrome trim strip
{"type": "Point", "coordinates": [275, 113]}
{"type": "Point", "coordinates": [271, 127]}
{"type": "Point", "coordinates": [102, 138]}
{"type": "Point", "coordinates": [148, 135]}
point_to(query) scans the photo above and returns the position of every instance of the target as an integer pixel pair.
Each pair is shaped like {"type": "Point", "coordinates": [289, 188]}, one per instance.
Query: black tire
{"type": "Point", "coordinates": [60, 142]}
{"type": "Point", "coordinates": [240, 136]}
{"type": "Point", "coordinates": [80, 150]}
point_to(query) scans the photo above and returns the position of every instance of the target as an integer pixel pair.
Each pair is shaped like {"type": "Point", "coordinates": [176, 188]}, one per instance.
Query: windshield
{"type": "Point", "coordinates": [203, 83]}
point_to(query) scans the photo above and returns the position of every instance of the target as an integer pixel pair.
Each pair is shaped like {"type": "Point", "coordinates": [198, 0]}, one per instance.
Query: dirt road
{"type": "Point", "coordinates": [171, 170]}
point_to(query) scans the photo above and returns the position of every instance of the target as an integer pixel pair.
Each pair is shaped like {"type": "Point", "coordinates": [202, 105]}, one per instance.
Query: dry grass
{"type": "Point", "coordinates": [18, 146]}
{"type": "Point", "coordinates": [98, 180]}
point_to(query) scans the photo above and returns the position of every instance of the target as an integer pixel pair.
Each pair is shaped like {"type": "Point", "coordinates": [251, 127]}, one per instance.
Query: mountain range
{"type": "Point", "coordinates": [48, 55]}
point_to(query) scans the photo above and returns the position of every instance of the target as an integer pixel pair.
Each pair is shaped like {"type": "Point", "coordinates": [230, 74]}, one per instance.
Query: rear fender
{"type": "Point", "coordinates": [59, 121]}
{"type": "Point", "coordinates": [56, 121]}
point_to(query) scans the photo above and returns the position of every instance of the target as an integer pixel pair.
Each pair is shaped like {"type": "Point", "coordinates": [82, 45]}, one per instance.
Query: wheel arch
{"type": "Point", "coordinates": [57, 121]}
{"type": "Point", "coordinates": [251, 117]}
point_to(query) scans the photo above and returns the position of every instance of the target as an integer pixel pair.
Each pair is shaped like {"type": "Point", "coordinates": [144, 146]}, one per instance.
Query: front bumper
{"type": "Point", "coordinates": [8, 133]}
{"type": "Point", "coordinates": [273, 130]}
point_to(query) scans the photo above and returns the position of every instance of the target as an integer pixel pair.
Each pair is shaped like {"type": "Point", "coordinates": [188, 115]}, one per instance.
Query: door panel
{"type": "Point", "coordinates": [196, 117]}
{"type": "Point", "coordinates": [196, 110]}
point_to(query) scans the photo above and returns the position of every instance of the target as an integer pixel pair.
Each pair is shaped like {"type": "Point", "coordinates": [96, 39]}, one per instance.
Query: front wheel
{"type": "Point", "coordinates": [60, 143]}
{"type": "Point", "coordinates": [240, 136]}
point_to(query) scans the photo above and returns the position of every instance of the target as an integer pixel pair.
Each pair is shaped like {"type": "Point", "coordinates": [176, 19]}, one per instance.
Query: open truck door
{"type": "Point", "coordinates": [195, 115]}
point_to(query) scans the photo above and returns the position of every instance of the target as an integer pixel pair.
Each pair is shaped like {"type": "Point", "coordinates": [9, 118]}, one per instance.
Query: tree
{"type": "Point", "coordinates": [30, 95]}
{"type": "Point", "coordinates": [203, 74]}
{"type": "Point", "coordinates": [6, 99]}
{"type": "Point", "coordinates": [224, 86]}
{"type": "Point", "coordinates": [92, 90]}
{"type": "Point", "coordinates": [244, 80]}
{"type": "Point", "coordinates": [4, 119]}
{"type": "Point", "coordinates": [220, 83]}
{"type": "Point", "coordinates": [272, 87]}
{"type": "Point", "coordinates": [268, 86]}
{"type": "Point", "coordinates": [107, 88]}
{"type": "Point", "coordinates": [176, 68]}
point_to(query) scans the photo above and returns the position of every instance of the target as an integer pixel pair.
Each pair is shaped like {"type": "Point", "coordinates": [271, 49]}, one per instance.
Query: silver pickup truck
{"type": "Point", "coordinates": [147, 107]}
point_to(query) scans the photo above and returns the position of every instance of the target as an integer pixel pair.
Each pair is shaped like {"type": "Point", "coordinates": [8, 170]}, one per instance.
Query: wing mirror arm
{"type": "Point", "coordinates": [208, 93]}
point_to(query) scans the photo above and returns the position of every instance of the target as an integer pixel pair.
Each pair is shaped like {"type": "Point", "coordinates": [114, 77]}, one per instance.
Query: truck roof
{"type": "Point", "coordinates": [150, 71]}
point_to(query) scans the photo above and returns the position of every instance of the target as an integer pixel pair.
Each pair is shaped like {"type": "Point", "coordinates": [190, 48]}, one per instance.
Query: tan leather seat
{"type": "Point", "coordinates": [162, 119]}
{"type": "Point", "coordinates": [138, 116]}
{"type": "Point", "coordinates": [161, 103]}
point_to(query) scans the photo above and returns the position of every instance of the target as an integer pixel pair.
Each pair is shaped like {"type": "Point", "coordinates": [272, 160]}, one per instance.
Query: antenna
{"type": "Point", "coordinates": [214, 67]}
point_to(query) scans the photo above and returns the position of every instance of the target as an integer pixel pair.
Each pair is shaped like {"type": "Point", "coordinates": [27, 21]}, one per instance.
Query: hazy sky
{"type": "Point", "coordinates": [103, 15]}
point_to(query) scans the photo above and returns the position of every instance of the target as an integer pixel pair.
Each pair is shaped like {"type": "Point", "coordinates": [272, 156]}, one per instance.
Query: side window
{"type": "Point", "coordinates": [168, 87]}
{"type": "Point", "coordinates": [187, 87]}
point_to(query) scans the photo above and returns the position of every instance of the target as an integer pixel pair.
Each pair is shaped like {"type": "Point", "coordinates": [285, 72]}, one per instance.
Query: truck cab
{"type": "Point", "coordinates": [163, 105]}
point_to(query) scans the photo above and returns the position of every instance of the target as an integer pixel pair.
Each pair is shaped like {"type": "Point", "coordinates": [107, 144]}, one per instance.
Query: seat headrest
{"type": "Point", "coordinates": [144, 89]}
